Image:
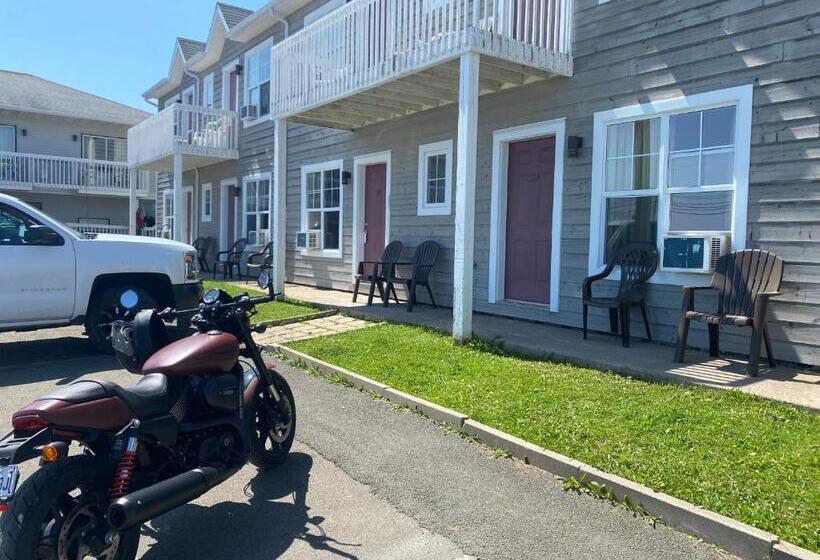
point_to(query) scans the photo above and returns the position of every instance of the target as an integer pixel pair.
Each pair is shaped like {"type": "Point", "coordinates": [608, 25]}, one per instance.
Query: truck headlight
{"type": "Point", "coordinates": [191, 268]}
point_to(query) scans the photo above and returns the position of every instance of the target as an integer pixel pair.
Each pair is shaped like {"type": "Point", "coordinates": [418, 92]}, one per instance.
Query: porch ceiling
{"type": "Point", "coordinates": [189, 161]}
{"type": "Point", "coordinates": [427, 89]}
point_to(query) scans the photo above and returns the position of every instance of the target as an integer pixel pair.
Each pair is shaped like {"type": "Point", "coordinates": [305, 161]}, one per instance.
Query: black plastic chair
{"type": "Point", "coordinates": [203, 247]}
{"type": "Point", "coordinates": [373, 271]}
{"type": "Point", "coordinates": [424, 258]}
{"type": "Point", "coordinates": [227, 260]}
{"type": "Point", "coordinates": [266, 254]}
{"type": "Point", "coordinates": [638, 262]}
{"type": "Point", "coordinates": [744, 282]}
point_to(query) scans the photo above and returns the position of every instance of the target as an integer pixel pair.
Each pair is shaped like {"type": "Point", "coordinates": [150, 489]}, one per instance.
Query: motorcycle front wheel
{"type": "Point", "coordinates": [58, 513]}
{"type": "Point", "coordinates": [273, 427]}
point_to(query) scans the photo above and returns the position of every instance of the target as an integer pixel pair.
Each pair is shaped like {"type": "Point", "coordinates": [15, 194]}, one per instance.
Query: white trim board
{"type": "Point", "coordinates": [255, 176]}
{"type": "Point", "coordinates": [498, 206]}
{"type": "Point", "coordinates": [445, 147]}
{"type": "Point", "coordinates": [359, 164]}
{"type": "Point", "coordinates": [315, 168]}
{"type": "Point", "coordinates": [741, 97]}
{"type": "Point", "coordinates": [226, 74]}
{"type": "Point", "coordinates": [223, 211]}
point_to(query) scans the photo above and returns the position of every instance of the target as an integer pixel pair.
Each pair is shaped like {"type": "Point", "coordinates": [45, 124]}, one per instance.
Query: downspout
{"type": "Point", "coordinates": [196, 90]}
{"type": "Point", "coordinates": [275, 15]}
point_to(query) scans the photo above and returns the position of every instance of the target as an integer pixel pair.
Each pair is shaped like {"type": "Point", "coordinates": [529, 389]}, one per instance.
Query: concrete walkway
{"type": "Point", "coordinates": [334, 324]}
{"type": "Point", "coordinates": [643, 359]}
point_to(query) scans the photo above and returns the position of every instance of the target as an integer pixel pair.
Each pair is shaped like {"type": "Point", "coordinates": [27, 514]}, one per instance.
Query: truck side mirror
{"type": "Point", "coordinates": [42, 235]}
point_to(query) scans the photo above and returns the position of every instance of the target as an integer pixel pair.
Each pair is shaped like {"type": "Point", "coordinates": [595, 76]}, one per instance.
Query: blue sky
{"type": "Point", "coordinates": [112, 48]}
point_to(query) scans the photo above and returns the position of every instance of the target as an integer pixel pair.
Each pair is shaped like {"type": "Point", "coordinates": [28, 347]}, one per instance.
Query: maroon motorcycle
{"type": "Point", "coordinates": [205, 406]}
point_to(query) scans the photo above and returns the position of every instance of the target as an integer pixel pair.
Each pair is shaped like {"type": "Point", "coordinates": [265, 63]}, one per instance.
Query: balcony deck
{"type": "Point", "coordinates": [42, 173]}
{"type": "Point", "coordinates": [203, 135]}
{"type": "Point", "coordinates": [375, 60]}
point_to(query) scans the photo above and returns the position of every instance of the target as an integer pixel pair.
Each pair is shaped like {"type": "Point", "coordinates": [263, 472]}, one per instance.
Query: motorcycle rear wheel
{"type": "Point", "coordinates": [272, 433]}
{"type": "Point", "coordinates": [53, 508]}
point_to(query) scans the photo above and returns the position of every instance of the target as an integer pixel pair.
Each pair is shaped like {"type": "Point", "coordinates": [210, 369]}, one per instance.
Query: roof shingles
{"type": "Point", "coordinates": [232, 14]}
{"type": "Point", "coordinates": [189, 47]}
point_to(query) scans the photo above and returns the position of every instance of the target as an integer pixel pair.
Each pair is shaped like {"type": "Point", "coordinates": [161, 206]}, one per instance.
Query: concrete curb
{"type": "Point", "coordinates": [733, 536]}
{"type": "Point", "coordinates": [299, 319]}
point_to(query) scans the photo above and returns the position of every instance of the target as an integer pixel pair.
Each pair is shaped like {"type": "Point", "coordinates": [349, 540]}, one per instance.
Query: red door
{"type": "Point", "coordinates": [230, 218]}
{"type": "Point", "coordinates": [375, 197]}
{"type": "Point", "coordinates": [189, 216]}
{"type": "Point", "coordinates": [232, 92]}
{"type": "Point", "coordinates": [530, 188]}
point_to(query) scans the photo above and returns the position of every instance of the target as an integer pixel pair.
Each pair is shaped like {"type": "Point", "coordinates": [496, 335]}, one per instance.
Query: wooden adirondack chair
{"type": "Point", "coordinates": [744, 281]}
{"type": "Point", "coordinates": [266, 262]}
{"type": "Point", "coordinates": [373, 272]}
{"type": "Point", "coordinates": [424, 258]}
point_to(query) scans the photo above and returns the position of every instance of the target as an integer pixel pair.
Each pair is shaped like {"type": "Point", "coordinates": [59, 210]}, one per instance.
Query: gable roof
{"type": "Point", "coordinates": [232, 15]}
{"type": "Point", "coordinates": [32, 94]}
{"type": "Point", "coordinates": [189, 48]}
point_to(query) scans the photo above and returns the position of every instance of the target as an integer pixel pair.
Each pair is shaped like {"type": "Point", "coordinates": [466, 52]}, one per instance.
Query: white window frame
{"type": "Point", "coordinates": [445, 148]}
{"type": "Point", "coordinates": [207, 189]}
{"type": "Point", "coordinates": [191, 89]}
{"type": "Point", "coordinates": [266, 44]}
{"type": "Point", "coordinates": [84, 155]}
{"type": "Point", "coordinates": [321, 168]}
{"type": "Point", "coordinates": [14, 135]}
{"type": "Point", "coordinates": [208, 91]}
{"type": "Point", "coordinates": [226, 85]}
{"type": "Point", "coordinates": [741, 98]}
{"type": "Point", "coordinates": [256, 177]}
{"type": "Point", "coordinates": [168, 219]}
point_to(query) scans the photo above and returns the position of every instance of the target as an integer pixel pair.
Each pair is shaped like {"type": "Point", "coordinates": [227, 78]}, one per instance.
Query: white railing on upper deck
{"type": "Point", "coordinates": [367, 42]}
{"type": "Point", "coordinates": [36, 171]}
{"type": "Point", "coordinates": [190, 129]}
{"type": "Point", "coordinates": [99, 228]}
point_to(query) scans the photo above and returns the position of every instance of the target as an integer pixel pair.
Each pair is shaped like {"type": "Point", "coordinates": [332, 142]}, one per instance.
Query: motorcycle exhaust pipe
{"type": "Point", "coordinates": [150, 502]}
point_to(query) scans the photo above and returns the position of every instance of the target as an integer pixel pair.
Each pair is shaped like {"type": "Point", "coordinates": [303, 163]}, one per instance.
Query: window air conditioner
{"type": "Point", "coordinates": [694, 253]}
{"type": "Point", "coordinates": [247, 112]}
{"type": "Point", "coordinates": [308, 240]}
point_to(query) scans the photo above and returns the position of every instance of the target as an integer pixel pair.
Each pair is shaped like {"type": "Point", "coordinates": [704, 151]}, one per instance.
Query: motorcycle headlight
{"type": "Point", "coordinates": [191, 269]}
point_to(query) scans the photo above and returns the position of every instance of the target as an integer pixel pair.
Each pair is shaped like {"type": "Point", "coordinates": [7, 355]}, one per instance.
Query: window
{"type": "Point", "coordinates": [168, 213]}
{"type": "Point", "coordinates": [208, 91]}
{"type": "Point", "coordinates": [435, 178]}
{"type": "Point", "coordinates": [673, 167]}
{"type": "Point", "coordinates": [207, 202]}
{"type": "Point", "coordinates": [257, 80]}
{"type": "Point", "coordinates": [322, 205]}
{"type": "Point", "coordinates": [256, 197]}
{"type": "Point", "coordinates": [8, 138]}
{"type": "Point", "coordinates": [104, 148]}
{"type": "Point", "coordinates": [322, 11]}
{"type": "Point", "coordinates": [14, 225]}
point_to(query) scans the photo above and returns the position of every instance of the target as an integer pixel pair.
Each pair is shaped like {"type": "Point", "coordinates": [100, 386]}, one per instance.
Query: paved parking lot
{"type": "Point", "coordinates": [365, 481]}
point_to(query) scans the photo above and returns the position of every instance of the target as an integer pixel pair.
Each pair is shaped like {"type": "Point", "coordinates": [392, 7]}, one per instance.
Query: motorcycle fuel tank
{"type": "Point", "coordinates": [199, 354]}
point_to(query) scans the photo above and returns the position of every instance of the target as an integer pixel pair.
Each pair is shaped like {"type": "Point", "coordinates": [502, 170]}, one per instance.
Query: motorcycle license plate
{"type": "Point", "coordinates": [8, 481]}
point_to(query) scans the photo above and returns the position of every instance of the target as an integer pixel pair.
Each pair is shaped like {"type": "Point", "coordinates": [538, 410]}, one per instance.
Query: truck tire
{"type": "Point", "coordinates": [104, 308]}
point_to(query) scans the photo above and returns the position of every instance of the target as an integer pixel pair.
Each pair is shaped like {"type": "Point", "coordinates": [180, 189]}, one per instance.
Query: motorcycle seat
{"type": "Point", "coordinates": [148, 397]}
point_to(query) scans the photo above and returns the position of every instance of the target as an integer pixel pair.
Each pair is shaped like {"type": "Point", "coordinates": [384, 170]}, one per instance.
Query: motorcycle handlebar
{"type": "Point", "coordinates": [243, 301]}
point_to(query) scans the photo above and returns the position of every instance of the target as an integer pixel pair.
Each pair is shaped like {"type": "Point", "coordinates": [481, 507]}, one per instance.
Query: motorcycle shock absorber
{"type": "Point", "coordinates": [128, 442]}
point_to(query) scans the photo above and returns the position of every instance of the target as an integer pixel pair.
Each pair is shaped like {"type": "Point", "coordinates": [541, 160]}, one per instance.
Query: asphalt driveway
{"type": "Point", "coordinates": [366, 480]}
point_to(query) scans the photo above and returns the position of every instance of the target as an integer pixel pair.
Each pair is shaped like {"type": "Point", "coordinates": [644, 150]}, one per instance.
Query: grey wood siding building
{"type": "Point", "coordinates": [659, 60]}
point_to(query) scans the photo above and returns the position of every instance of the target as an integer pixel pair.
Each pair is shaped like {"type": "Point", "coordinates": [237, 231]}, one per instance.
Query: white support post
{"type": "Point", "coordinates": [465, 196]}
{"type": "Point", "coordinates": [132, 201]}
{"type": "Point", "coordinates": [178, 213]}
{"type": "Point", "coordinates": [278, 196]}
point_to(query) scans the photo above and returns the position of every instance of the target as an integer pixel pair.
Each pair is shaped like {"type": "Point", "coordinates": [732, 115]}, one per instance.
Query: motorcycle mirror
{"type": "Point", "coordinates": [129, 299]}
{"type": "Point", "coordinates": [263, 280]}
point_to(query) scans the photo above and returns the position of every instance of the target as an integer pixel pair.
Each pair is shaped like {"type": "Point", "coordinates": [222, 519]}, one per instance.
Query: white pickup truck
{"type": "Point", "coordinates": [52, 276]}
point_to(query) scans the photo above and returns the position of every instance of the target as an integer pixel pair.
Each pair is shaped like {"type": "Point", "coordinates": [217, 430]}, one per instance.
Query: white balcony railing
{"type": "Point", "coordinates": [186, 129]}
{"type": "Point", "coordinates": [93, 229]}
{"type": "Point", "coordinates": [368, 42]}
{"type": "Point", "coordinates": [36, 171]}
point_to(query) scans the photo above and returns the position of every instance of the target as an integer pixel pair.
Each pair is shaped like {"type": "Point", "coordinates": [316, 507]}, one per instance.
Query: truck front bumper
{"type": "Point", "coordinates": [187, 296]}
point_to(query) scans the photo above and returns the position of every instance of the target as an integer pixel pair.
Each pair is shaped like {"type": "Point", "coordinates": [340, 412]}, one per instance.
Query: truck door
{"type": "Point", "coordinates": [36, 280]}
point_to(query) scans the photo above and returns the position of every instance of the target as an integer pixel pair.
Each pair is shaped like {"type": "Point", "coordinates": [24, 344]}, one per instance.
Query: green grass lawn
{"type": "Point", "coordinates": [272, 311]}
{"type": "Point", "coordinates": [754, 460]}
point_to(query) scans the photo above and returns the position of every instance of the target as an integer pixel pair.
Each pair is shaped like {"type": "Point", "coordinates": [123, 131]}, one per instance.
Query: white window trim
{"type": "Point", "coordinates": [207, 216]}
{"type": "Point", "coordinates": [14, 135]}
{"type": "Point", "coordinates": [266, 44]}
{"type": "Point", "coordinates": [226, 83]}
{"type": "Point", "coordinates": [315, 168]}
{"type": "Point", "coordinates": [444, 147]}
{"type": "Point", "coordinates": [83, 137]}
{"type": "Point", "coordinates": [168, 200]}
{"type": "Point", "coordinates": [741, 98]}
{"type": "Point", "coordinates": [498, 205]}
{"type": "Point", "coordinates": [359, 165]}
{"type": "Point", "coordinates": [208, 85]}
{"type": "Point", "coordinates": [190, 89]}
{"type": "Point", "coordinates": [244, 214]}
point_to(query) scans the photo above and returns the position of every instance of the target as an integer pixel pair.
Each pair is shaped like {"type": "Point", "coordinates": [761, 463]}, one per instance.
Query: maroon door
{"type": "Point", "coordinates": [232, 92]}
{"type": "Point", "coordinates": [189, 216]}
{"type": "Point", "coordinates": [230, 215]}
{"type": "Point", "coordinates": [528, 253]}
{"type": "Point", "coordinates": [375, 197]}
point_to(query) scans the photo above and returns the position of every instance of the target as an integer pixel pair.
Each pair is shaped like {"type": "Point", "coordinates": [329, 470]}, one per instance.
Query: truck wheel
{"type": "Point", "coordinates": [105, 308]}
